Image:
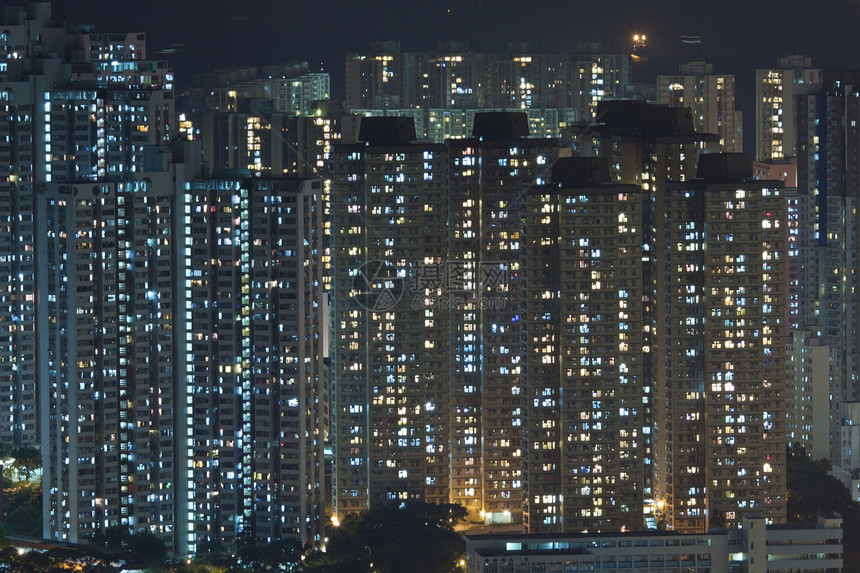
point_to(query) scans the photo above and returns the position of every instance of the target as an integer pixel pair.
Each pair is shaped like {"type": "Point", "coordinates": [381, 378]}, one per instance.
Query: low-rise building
{"type": "Point", "coordinates": [755, 547]}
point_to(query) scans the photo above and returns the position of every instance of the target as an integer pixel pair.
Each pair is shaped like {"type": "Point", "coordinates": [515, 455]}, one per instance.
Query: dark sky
{"type": "Point", "coordinates": [738, 35]}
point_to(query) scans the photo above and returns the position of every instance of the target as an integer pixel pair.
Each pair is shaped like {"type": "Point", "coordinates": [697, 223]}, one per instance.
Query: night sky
{"type": "Point", "coordinates": [738, 35]}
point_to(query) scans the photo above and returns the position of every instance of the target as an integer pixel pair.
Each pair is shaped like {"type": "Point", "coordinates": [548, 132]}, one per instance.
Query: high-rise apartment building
{"type": "Point", "coordinates": [391, 398]}
{"type": "Point", "coordinates": [521, 79]}
{"type": "Point", "coordinates": [104, 392]}
{"type": "Point", "coordinates": [273, 144]}
{"type": "Point", "coordinates": [22, 166]}
{"type": "Point", "coordinates": [107, 370]}
{"type": "Point", "coordinates": [192, 411]}
{"type": "Point", "coordinates": [715, 344]}
{"type": "Point", "coordinates": [645, 144]}
{"type": "Point", "coordinates": [649, 146]}
{"type": "Point", "coordinates": [594, 74]}
{"type": "Point", "coordinates": [489, 177]}
{"type": "Point", "coordinates": [586, 315]}
{"type": "Point", "coordinates": [427, 247]}
{"type": "Point", "coordinates": [171, 364]}
{"type": "Point", "coordinates": [719, 344]}
{"type": "Point", "coordinates": [826, 314]}
{"type": "Point", "coordinates": [710, 97]}
{"type": "Point", "coordinates": [455, 78]}
{"type": "Point", "coordinates": [62, 122]}
{"type": "Point", "coordinates": [776, 90]}
{"type": "Point", "coordinates": [252, 324]}
{"type": "Point", "coordinates": [809, 408]}
{"type": "Point", "coordinates": [289, 88]}
{"type": "Point", "coordinates": [385, 77]}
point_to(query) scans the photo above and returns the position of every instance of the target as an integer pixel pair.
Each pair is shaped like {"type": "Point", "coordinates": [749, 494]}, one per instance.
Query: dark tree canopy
{"type": "Point", "coordinates": [812, 490]}
{"type": "Point", "coordinates": [418, 538]}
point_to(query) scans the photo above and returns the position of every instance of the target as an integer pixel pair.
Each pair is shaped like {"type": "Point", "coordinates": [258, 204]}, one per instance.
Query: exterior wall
{"type": "Point", "coordinates": [19, 398]}
{"type": "Point", "coordinates": [585, 327]}
{"type": "Point", "coordinates": [108, 363]}
{"type": "Point", "coordinates": [828, 187]}
{"type": "Point", "coordinates": [777, 170]}
{"type": "Point", "coordinates": [745, 359]}
{"type": "Point", "coordinates": [490, 234]}
{"type": "Point", "coordinates": [814, 549]}
{"type": "Point", "coordinates": [776, 89]}
{"type": "Point", "coordinates": [442, 225]}
{"type": "Point", "coordinates": [720, 368]}
{"type": "Point", "coordinates": [809, 416]}
{"type": "Point", "coordinates": [252, 360]}
{"type": "Point", "coordinates": [755, 548]}
{"type": "Point", "coordinates": [455, 78]}
{"type": "Point", "coordinates": [388, 208]}
{"type": "Point", "coordinates": [711, 98]}
{"type": "Point", "coordinates": [652, 552]}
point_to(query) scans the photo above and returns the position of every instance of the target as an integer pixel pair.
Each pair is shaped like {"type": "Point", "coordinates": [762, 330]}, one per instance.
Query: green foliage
{"type": "Point", "coordinates": [148, 546]}
{"type": "Point", "coordinates": [812, 490]}
{"type": "Point", "coordinates": [213, 554]}
{"type": "Point", "coordinates": [64, 558]}
{"type": "Point", "coordinates": [24, 460]}
{"type": "Point", "coordinates": [279, 555]}
{"type": "Point", "coordinates": [144, 544]}
{"type": "Point", "coordinates": [418, 538]}
{"type": "Point", "coordinates": [189, 566]}
{"type": "Point", "coordinates": [22, 506]}
{"type": "Point", "coordinates": [28, 460]}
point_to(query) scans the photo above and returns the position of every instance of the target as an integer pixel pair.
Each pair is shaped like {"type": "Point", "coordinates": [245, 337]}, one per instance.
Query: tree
{"type": "Point", "coordinates": [279, 555]}
{"type": "Point", "coordinates": [213, 553]}
{"type": "Point", "coordinates": [143, 544]}
{"type": "Point", "coordinates": [22, 504]}
{"type": "Point", "coordinates": [417, 538]}
{"type": "Point", "coordinates": [286, 553]}
{"type": "Point", "coordinates": [147, 546]}
{"type": "Point", "coordinates": [811, 488]}
{"type": "Point", "coordinates": [444, 515]}
{"type": "Point", "coordinates": [58, 559]}
{"type": "Point", "coordinates": [28, 460]}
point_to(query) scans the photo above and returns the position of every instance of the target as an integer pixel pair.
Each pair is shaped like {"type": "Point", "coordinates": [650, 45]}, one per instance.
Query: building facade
{"type": "Point", "coordinates": [755, 548]}
{"type": "Point", "coordinates": [828, 187]}
{"type": "Point", "coordinates": [427, 292]}
{"type": "Point", "coordinates": [171, 362]}
{"type": "Point", "coordinates": [720, 348]}
{"type": "Point", "coordinates": [710, 97]}
{"type": "Point", "coordinates": [585, 320]}
{"type": "Point", "coordinates": [455, 77]}
{"type": "Point", "coordinates": [776, 90]}
{"type": "Point", "coordinates": [253, 325]}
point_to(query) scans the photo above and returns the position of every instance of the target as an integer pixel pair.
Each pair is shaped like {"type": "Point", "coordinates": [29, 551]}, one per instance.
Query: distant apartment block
{"type": "Point", "coordinates": [784, 170]}
{"type": "Point", "coordinates": [710, 97]}
{"type": "Point", "coordinates": [454, 77]}
{"type": "Point", "coordinates": [776, 90]}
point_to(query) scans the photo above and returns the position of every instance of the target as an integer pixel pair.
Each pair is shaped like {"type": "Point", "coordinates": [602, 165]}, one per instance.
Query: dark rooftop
{"type": "Point", "coordinates": [580, 172]}
{"type": "Point", "coordinates": [387, 131]}
{"type": "Point", "coordinates": [724, 167]}
{"type": "Point", "coordinates": [500, 125]}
